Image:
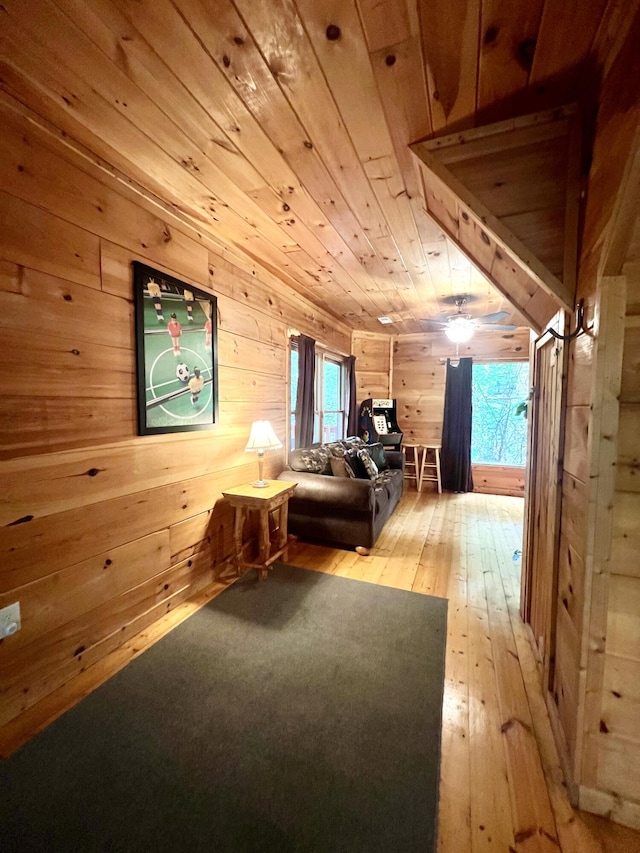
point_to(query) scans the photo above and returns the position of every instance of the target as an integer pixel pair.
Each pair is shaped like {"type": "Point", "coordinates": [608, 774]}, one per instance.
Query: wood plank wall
{"type": "Point", "coordinates": [102, 532]}
{"type": "Point", "coordinates": [597, 639]}
{"type": "Point", "coordinates": [373, 365]}
{"type": "Point", "coordinates": [498, 480]}
{"type": "Point", "coordinates": [616, 744]}
{"type": "Point", "coordinates": [418, 385]}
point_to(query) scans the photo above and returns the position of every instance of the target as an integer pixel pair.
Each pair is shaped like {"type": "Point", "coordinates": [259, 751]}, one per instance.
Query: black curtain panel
{"type": "Point", "coordinates": [353, 412]}
{"type": "Point", "coordinates": [306, 386]}
{"type": "Point", "coordinates": [455, 459]}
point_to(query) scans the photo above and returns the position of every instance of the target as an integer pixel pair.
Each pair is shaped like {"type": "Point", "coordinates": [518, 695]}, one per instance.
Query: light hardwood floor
{"type": "Point", "coordinates": [501, 784]}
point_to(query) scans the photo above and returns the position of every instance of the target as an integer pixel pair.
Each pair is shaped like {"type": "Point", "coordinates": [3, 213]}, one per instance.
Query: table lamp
{"type": "Point", "coordinates": [262, 438]}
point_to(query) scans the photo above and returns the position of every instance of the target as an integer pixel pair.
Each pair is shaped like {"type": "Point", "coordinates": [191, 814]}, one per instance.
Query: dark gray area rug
{"type": "Point", "coordinates": [299, 713]}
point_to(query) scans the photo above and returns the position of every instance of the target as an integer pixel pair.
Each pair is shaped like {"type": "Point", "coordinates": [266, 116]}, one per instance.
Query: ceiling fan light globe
{"type": "Point", "coordinates": [459, 330]}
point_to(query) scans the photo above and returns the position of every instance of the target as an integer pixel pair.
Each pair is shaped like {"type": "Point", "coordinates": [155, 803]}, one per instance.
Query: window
{"type": "Point", "coordinates": [499, 435]}
{"type": "Point", "coordinates": [329, 419]}
{"type": "Point", "coordinates": [330, 396]}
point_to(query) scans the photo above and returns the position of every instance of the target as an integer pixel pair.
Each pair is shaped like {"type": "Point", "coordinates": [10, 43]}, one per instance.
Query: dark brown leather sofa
{"type": "Point", "coordinates": [338, 510]}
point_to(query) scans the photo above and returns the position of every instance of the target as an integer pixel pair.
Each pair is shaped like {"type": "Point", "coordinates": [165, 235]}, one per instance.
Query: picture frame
{"type": "Point", "coordinates": [176, 353]}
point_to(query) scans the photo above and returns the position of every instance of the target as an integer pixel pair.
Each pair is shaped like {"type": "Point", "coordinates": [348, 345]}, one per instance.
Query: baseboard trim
{"type": "Point", "coordinates": [611, 806]}
{"type": "Point", "coordinates": [573, 789]}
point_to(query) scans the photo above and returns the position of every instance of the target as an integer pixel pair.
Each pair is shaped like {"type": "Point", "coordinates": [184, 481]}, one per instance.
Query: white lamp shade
{"type": "Point", "coordinates": [262, 437]}
{"type": "Point", "coordinates": [459, 330]}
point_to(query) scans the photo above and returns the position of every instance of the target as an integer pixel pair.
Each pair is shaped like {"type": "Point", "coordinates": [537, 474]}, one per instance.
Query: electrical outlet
{"type": "Point", "coordinates": [9, 620]}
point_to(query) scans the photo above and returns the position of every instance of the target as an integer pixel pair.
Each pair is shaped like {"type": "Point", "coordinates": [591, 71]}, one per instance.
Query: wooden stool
{"type": "Point", "coordinates": [430, 466]}
{"type": "Point", "coordinates": [413, 465]}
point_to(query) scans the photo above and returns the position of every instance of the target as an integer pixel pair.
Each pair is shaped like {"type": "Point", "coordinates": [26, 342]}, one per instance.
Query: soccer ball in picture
{"type": "Point", "coordinates": [182, 372]}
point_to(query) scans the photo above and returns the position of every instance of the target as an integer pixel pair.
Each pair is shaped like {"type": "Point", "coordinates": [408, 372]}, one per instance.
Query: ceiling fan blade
{"type": "Point", "coordinates": [434, 322]}
{"type": "Point", "coordinates": [491, 318]}
{"type": "Point", "coordinates": [495, 327]}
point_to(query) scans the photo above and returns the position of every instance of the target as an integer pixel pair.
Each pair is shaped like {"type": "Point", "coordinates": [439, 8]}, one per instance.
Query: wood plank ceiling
{"type": "Point", "coordinates": [282, 127]}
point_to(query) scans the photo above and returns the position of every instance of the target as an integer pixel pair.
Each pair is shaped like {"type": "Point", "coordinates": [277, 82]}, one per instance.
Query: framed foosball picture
{"type": "Point", "coordinates": [176, 353]}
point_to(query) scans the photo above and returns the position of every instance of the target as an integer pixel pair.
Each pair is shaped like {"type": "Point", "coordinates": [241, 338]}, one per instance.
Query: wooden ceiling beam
{"type": "Point", "coordinates": [502, 236]}
{"type": "Point", "coordinates": [498, 137]}
{"type": "Point", "coordinates": [536, 145]}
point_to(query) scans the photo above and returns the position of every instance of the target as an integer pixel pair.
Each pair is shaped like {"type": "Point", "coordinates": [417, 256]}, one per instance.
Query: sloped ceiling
{"type": "Point", "coordinates": [282, 127]}
{"type": "Point", "coordinates": [508, 196]}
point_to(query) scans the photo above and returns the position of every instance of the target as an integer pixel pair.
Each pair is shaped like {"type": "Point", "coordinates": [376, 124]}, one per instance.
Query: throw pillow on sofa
{"type": "Point", "coordinates": [314, 460]}
{"type": "Point", "coordinates": [340, 467]}
{"type": "Point", "coordinates": [335, 448]}
{"type": "Point", "coordinates": [353, 442]}
{"type": "Point", "coordinates": [351, 461]}
{"type": "Point", "coordinates": [376, 452]}
{"type": "Point", "coordinates": [367, 463]}
{"type": "Point", "coordinates": [342, 445]}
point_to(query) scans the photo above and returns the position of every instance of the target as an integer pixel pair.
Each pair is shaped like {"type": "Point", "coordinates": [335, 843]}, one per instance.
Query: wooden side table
{"type": "Point", "coordinates": [271, 499]}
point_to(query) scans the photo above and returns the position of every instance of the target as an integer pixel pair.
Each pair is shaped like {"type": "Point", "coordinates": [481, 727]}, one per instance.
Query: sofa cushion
{"type": "Point", "coordinates": [315, 460]}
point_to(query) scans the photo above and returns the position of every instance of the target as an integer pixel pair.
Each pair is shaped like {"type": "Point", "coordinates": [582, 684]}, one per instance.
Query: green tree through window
{"type": "Point", "coordinates": [499, 436]}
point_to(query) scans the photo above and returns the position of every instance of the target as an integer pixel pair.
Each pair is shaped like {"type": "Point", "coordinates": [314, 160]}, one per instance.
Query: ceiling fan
{"type": "Point", "coordinates": [460, 327]}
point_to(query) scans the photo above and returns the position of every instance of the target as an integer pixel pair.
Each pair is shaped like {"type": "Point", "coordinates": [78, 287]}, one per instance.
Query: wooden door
{"type": "Point", "coordinates": [542, 498]}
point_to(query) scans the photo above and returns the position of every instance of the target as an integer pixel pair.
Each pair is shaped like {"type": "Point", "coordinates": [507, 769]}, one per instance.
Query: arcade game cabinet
{"type": "Point", "coordinates": [378, 423]}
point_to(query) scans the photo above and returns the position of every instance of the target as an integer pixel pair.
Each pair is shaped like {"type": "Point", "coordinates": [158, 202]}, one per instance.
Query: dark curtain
{"type": "Point", "coordinates": [353, 412]}
{"type": "Point", "coordinates": [306, 386]}
{"type": "Point", "coordinates": [455, 459]}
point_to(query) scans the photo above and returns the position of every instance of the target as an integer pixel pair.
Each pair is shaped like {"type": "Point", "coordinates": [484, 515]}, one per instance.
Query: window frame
{"type": "Point", "coordinates": [323, 355]}
{"type": "Point", "coordinates": [320, 414]}
{"type": "Point", "coordinates": [496, 362]}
